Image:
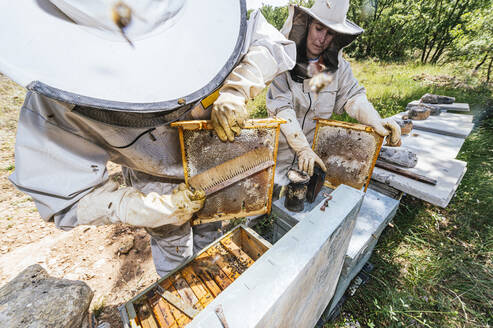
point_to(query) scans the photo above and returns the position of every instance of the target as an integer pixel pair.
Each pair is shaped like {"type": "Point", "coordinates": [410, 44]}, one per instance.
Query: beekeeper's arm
{"type": "Point", "coordinates": [279, 103]}
{"type": "Point", "coordinates": [267, 53]}
{"type": "Point", "coordinates": [351, 97]}
{"type": "Point", "coordinates": [65, 175]}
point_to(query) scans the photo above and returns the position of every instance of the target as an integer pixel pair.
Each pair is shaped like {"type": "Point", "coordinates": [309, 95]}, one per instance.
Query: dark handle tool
{"type": "Point", "coordinates": [403, 172]}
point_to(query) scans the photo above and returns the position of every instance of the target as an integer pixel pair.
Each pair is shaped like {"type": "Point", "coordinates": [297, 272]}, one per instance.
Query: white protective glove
{"type": "Point", "coordinates": [297, 141]}
{"type": "Point", "coordinates": [246, 81]}
{"type": "Point", "coordinates": [108, 204]}
{"type": "Point", "coordinates": [362, 110]}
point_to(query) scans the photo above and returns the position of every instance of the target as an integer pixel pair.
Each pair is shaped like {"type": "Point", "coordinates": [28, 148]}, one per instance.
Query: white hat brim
{"type": "Point", "coordinates": [347, 27]}
{"type": "Point", "coordinates": [43, 50]}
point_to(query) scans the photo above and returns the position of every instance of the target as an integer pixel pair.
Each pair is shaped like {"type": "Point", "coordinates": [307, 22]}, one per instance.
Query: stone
{"type": "Point", "coordinates": [405, 125]}
{"type": "Point", "coordinates": [418, 113]}
{"type": "Point", "coordinates": [455, 107]}
{"type": "Point", "coordinates": [126, 244]}
{"type": "Point", "coordinates": [436, 99]}
{"type": "Point", "coordinates": [33, 299]}
{"type": "Point", "coordinates": [434, 109]}
{"type": "Point", "coordinates": [398, 155]}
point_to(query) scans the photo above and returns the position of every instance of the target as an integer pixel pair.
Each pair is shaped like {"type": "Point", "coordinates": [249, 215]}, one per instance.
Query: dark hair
{"type": "Point", "coordinates": [329, 56]}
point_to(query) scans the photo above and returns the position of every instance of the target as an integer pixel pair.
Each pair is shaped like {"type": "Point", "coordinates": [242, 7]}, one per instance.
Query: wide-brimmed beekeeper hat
{"type": "Point", "coordinates": [331, 13]}
{"type": "Point", "coordinates": [72, 50]}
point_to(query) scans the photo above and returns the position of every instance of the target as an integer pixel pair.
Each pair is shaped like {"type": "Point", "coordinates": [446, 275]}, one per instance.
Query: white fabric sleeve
{"type": "Point", "coordinates": [54, 166]}
{"type": "Point", "coordinates": [348, 86]}
{"type": "Point", "coordinates": [266, 53]}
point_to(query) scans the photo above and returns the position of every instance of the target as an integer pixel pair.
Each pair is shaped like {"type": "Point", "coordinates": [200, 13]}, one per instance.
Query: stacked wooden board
{"type": "Point", "coordinates": [436, 141]}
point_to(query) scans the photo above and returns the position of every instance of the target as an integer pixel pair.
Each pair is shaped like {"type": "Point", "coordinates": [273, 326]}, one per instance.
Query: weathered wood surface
{"type": "Point", "coordinates": [455, 107]}
{"type": "Point", "coordinates": [292, 283]}
{"type": "Point", "coordinates": [447, 172]}
{"type": "Point", "coordinates": [425, 143]}
{"type": "Point", "coordinates": [455, 125]}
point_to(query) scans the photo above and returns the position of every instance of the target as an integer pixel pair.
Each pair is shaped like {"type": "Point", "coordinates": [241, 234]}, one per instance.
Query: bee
{"type": "Point", "coordinates": [121, 14]}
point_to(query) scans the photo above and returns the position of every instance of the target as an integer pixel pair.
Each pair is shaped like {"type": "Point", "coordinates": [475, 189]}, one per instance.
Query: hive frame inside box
{"type": "Point", "coordinates": [332, 182]}
{"type": "Point", "coordinates": [214, 213]}
{"type": "Point", "coordinates": [129, 310]}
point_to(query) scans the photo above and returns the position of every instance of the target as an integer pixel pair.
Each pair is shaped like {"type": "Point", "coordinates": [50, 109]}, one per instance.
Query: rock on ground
{"type": "Point", "coordinates": [33, 299]}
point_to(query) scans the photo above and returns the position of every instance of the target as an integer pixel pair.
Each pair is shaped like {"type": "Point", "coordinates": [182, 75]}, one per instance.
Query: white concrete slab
{"type": "Point", "coordinates": [425, 143]}
{"type": "Point", "coordinates": [447, 172]}
{"type": "Point", "coordinates": [293, 282]}
{"type": "Point", "coordinates": [376, 211]}
{"type": "Point", "coordinates": [456, 125]}
{"type": "Point", "coordinates": [456, 107]}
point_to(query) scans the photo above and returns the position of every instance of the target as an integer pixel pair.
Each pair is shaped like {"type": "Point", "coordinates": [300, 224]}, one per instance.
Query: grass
{"type": "Point", "coordinates": [434, 268]}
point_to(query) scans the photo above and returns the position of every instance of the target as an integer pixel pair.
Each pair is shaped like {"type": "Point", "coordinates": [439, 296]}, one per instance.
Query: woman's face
{"type": "Point", "coordinates": [318, 39]}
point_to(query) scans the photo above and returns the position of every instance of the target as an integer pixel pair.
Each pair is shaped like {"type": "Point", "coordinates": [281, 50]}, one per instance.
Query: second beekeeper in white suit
{"type": "Point", "coordinates": [320, 34]}
{"type": "Point", "coordinates": [105, 79]}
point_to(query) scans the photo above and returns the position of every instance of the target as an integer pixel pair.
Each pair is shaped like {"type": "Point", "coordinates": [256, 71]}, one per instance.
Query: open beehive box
{"type": "Point", "coordinates": [196, 283]}
{"type": "Point", "coordinates": [349, 151]}
{"type": "Point", "coordinates": [202, 150]}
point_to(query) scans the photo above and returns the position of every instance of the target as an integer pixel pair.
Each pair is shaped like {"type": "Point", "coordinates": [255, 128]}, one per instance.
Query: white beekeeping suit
{"type": "Point", "coordinates": [291, 96]}
{"type": "Point", "coordinates": [94, 98]}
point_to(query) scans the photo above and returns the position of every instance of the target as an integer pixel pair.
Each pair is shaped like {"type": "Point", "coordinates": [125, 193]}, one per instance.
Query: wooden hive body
{"type": "Point", "coordinates": [198, 282]}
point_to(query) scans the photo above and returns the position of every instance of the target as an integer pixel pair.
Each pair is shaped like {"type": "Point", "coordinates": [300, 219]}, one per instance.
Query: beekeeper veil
{"type": "Point", "coordinates": [331, 13]}
{"type": "Point", "coordinates": [73, 51]}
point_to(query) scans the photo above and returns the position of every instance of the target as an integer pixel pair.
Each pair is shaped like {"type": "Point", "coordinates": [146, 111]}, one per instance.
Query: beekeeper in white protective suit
{"type": "Point", "coordinates": [320, 33]}
{"type": "Point", "coordinates": [105, 79]}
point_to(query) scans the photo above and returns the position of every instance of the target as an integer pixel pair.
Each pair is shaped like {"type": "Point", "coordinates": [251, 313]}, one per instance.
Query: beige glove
{"type": "Point", "coordinates": [108, 204]}
{"type": "Point", "coordinates": [246, 81]}
{"type": "Point", "coordinates": [297, 141]}
{"type": "Point", "coordinates": [229, 114]}
{"type": "Point", "coordinates": [362, 110]}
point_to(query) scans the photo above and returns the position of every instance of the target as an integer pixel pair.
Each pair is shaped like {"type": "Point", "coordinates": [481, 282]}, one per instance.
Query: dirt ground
{"type": "Point", "coordinates": [115, 260]}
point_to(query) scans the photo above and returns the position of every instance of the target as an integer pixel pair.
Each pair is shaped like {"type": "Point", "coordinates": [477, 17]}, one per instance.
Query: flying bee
{"type": "Point", "coordinates": [121, 14]}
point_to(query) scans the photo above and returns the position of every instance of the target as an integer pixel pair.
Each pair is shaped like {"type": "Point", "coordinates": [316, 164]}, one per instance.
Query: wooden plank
{"type": "Point", "coordinates": [454, 125]}
{"type": "Point", "coordinates": [200, 291]}
{"type": "Point", "coordinates": [447, 172]}
{"type": "Point", "coordinates": [456, 107]}
{"type": "Point", "coordinates": [145, 316]}
{"type": "Point", "coordinates": [252, 247]}
{"type": "Point", "coordinates": [186, 292]}
{"type": "Point", "coordinates": [226, 261]}
{"type": "Point", "coordinates": [204, 262]}
{"type": "Point", "coordinates": [207, 280]}
{"type": "Point", "coordinates": [161, 311]}
{"type": "Point", "coordinates": [425, 143]}
{"type": "Point", "coordinates": [180, 318]}
{"type": "Point", "coordinates": [234, 249]}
